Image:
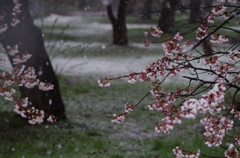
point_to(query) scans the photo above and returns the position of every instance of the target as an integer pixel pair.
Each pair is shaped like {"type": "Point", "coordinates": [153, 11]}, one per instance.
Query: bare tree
{"type": "Point", "coordinates": [119, 23]}
{"type": "Point", "coordinates": [167, 19]}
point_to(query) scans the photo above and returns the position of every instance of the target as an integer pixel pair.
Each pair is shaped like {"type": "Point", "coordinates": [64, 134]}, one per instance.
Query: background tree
{"type": "Point", "coordinates": [82, 4]}
{"type": "Point", "coordinates": [22, 32]}
{"type": "Point", "coordinates": [198, 14]}
{"type": "Point", "coordinates": [131, 7]}
{"type": "Point", "coordinates": [167, 19]}
{"type": "Point", "coordinates": [147, 8]}
{"type": "Point", "coordinates": [195, 11]}
{"type": "Point", "coordinates": [36, 8]}
{"type": "Point", "coordinates": [119, 23]}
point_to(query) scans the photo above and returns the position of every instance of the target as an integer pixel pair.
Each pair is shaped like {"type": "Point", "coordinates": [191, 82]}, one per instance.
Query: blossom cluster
{"type": "Point", "coordinates": [222, 68]}
{"type": "Point", "coordinates": [129, 107]}
{"type": "Point", "coordinates": [219, 39]}
{"type": "Point", "coordinates": [235, 112]}
{"type": "Point", "coordinates": [3, 28]}
{"type": "Point", "coordinates": [155, 32]}
{"type": "Point", "coordinates": [237, 140]}
{"type": "Point", "coordinates": [216, 128]}
{"type": "Point", "coordinates": [20, 74]}
{"type": "Point", "coordinates": [119, 118]}
{"type": "Point", "coordinates": [45, 86]}
{"type": "Point", "coordinates": [173, 50]}
{"type": "Point", "coordinates": [102, 84]}
{"type": "Point", "coordinates": [232, 152]}
{"type": "Point", "coordinates": [16, 11]}
{"type": "Point", "coordinates": [230, 1]}
{"type": "Point", "coordinates": [202, 32]}
{"type": "Point", "coordinates": [218, 74]}
{"type": "Point", "coordinates": [233, 56]}
{"type": "Point", "coordinates": [218, 11]}
{"type": "Point", "coordinates": [189, 109]}
{"type": "Point", "coordinates": [180, 153]}
{"type": "Point", "coordinates": [24, 77]}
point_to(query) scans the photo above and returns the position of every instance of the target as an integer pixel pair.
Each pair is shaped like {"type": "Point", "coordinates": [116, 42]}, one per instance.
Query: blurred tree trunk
{"type": "Point", "coordinates": [131, 7]}
{"type": "Point", "coordinates": [194, 11]}
{"type": "Point", "coordinates": [29, 39]}
{"type": "Point", "coordinates": [82, 4]}
{"type": "Point", "coordinates": [198, 15]}
{"type": "Point", "coordinates": [167, 19]}
{"type": "Point", "coordinates": [119, 23]}
{"type": "Point", "coordinates": [147, 8]}
{"type": "Point", "coordinates": [36, 8]}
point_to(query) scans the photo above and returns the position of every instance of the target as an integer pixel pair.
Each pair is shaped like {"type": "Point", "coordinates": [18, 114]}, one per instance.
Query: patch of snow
{"type": "Point", "coordinates": [103, 66]}
{"type": "Point", "coordinates": [84, 28]}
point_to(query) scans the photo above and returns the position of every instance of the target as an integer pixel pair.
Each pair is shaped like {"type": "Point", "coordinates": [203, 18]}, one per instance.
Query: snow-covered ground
{"type": "Point", "coordinates": [94, 66]}
{"type": "Point", "coordinates": [79, 27]}
{"type": "Point", "coordinates": [98, 67]}
{"type": "Point", "coordinates": [102, 66]}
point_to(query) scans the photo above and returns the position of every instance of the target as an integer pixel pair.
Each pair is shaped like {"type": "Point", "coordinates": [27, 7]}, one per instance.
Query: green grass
{"type": "Point", "coordinates": [88, 131]}
{"type": "Point", "coordinates": [110, 51]}
{"type": "Point", "coordinates": [55, 26]}
{"type": "Point", "coordinates": [57, 36]}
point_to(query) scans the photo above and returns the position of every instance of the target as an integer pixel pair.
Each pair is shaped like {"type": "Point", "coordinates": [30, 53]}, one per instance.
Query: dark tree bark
{"type": "Point", "coordinates": [119, 23]}
{"type": "Point", "coordinates": [195, 13]}
{"type": "Point", "coordinates": [82, 4]}
{"type": "Point", "coordinates": [29, 39]}
{"type": "Point", "coordinates": [130, 9]}
{"type": "Point", "coordinates": [167, 19]}
{"type": "Point", "coordinates": [198, 15]}
{"type": "Point", "coordinates": [36, 8]}
{"type": "Point", "coordinates": [147, 8]}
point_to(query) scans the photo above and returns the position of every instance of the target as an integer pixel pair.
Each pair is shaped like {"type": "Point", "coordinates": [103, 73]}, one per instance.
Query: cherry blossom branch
{"type": "Point", "coordinates": [215, 30]}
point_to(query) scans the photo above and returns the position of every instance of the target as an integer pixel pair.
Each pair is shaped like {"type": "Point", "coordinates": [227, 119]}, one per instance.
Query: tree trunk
{"type": "Point", "coordinates": [82, 4]}
{"type": "Point", "coordinates": [119, 23]}
{"type": "Point", "coordinates": [207, 47]}
{"type": "Point", "coordinates": [147, 8]}
{"type": "Point", "coordinates": [36, 8]}
{"type": "Point", "coordinates": [195, 13]}
{"type": "Point", "coordinates": [29, 39]}
{"type": "Point", "coordinates": [130, 9]}
{"type": "Point", "coordinates": [167, 19]}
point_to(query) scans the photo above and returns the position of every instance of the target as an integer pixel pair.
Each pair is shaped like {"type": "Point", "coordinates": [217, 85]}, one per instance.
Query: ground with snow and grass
{"type": "Point", "coordinates": [81, 52]}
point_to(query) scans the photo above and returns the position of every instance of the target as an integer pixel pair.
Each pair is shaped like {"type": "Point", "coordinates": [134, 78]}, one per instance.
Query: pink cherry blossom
{"type": "Point", "coordinates": [129, 107]}
{"type": "Point", "coordinates": [202, 32]}
{"type": "Point", "coordinates": [45, 86]}
{"type": "Point", "coordinates": [146, 42]}
{"type": "Point", "coordinates": [156, 32]}
{"type": "Point", "coordinates": [3, 28]}
{"type": "Point", "coordinates": [232, 152]}
{"type": "Point", "coordinates": [119, 118]}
